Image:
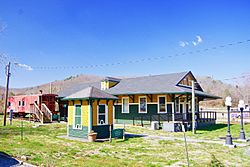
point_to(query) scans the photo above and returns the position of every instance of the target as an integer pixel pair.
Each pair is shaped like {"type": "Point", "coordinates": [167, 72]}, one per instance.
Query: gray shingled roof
{"type": "Point", "coordinates": [90, 93]}
{"type": "Point", "coordinates": [155, 84]}
{"type": "Point", "coordinates": [165, 83]}
{"type": "Point", "coordinates": [77, 87]}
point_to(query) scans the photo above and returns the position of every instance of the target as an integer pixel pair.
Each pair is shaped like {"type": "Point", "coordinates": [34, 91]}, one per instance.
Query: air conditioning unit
{"type": "Point", "coordinates": [155, 125]}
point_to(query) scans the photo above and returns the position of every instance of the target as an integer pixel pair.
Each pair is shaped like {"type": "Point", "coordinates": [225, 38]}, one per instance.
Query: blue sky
{"type": "Point", "coordinates": [88, 32]}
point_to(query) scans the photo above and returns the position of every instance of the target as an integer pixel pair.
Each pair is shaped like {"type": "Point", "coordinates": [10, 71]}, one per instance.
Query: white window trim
{"type": "Point", "coordinates": [74, 111]}
{"type": "Point", "coordinates": [184, 107]}
{"type": "Point", "coordinates": [158, 104]}
{"type": "Point", "coordinates": [140, 105]}
{"type": "Point", "coordinates": [128, 105]}
{"type": "Point", "coordinates": [113, 112]}
{"type": "Point", "coordinates": [172, 106]}
{"type": "Point", "coordinates": [106, 114]}
{"type": "Point", "coordinates": [89, 118]}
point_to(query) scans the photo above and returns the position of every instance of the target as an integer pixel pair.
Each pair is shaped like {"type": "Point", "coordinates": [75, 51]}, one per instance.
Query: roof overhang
{"type": "Point", "coordinates": [88, 98]}
{"type": "Point", "coordinates": [197, 93]}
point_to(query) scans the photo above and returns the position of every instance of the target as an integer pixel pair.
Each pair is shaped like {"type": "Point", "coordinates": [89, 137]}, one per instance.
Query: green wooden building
{"type": "Point", "coordinates": [165, 97]}
{"type": "Point", "coordinates": [162, 98]}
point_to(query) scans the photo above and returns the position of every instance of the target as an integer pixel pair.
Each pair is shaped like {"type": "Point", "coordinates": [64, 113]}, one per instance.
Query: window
{"type": "Point", "coordinates": [102, 115]}
{"type": "Point", "coordinates": [104, 85]}
{"type": "Point", "coordinates": [125, 105]}
{"type": "Point", "coordinates": [177, 105]}
{"type": "Point", "coordinates": [182, 108]}
{"type": "Point", "coordinates": [78, 117]}
{"type": "Point", "coordinates": [19, 103]}
{"type": "Point", "coordinates": [161, 104]}
{"type": "Point", "coordinates": [23, 103]}
{"type": "Point", "coordinates": [187, 108]}
{"type": "Point", "coordinates": [170, 107]}
{"type": "Point", "coordinates": [142, 105]}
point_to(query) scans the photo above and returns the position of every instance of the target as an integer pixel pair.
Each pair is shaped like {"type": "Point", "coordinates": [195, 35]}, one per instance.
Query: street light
{"type": "Point", "coordinates": [228, 103]}
{"type": "Point", "coordinates": [242, 133]}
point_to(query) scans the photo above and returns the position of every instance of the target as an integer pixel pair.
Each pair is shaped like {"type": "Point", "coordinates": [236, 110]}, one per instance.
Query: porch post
{"type": "Point", "coordinates": [174, 107]}
{"type": "Point", "coordinates": [186, 108]}
{"type": "Point", "coordinates": [193, 108]}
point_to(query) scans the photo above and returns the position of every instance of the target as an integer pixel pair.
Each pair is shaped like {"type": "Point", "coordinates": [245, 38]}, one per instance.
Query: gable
{"type": "Point", "coordinates": [186, 81]}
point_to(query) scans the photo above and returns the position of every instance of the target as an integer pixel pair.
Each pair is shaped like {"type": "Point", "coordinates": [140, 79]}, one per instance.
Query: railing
{"type": "Point", "coordinates": [207, 116]}
{"type": "Point", "coordinates": [37, 112]}
{"type": "Point", "coordinates": [47, 113]}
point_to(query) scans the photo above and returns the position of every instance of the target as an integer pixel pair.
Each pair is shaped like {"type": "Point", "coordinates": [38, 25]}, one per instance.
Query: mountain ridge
{"type": "Point", "coordinates": [209, 85]}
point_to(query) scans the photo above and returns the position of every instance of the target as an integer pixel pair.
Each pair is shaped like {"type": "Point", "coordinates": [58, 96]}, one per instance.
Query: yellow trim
{"type": "Point", "coordinates": [110, 112]}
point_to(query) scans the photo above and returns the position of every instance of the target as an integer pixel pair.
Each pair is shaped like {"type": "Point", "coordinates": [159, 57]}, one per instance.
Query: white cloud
{"type": "Point", "coordinates": [183, 44]}
{"type": "Point", "coordinates": [199, 39]}
{"type": "Point", "coordinates": [195, 42]}
{"type": "Point", "coordinates": [29, 68]}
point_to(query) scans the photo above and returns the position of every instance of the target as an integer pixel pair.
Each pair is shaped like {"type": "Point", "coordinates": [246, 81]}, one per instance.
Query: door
{"type": "Point", "coordinates": [182, 110]}
{"type": "Point", "coordinates": [78, 117]}
{"type": "Point", "coordinates": [187, 111]}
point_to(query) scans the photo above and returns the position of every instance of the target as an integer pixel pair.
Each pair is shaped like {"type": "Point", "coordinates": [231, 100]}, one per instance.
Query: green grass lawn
{"type": "Point", "coordinates": [43, 148]}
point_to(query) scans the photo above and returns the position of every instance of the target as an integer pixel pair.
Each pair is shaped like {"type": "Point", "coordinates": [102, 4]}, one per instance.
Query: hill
{"type": "Point", "coordinates": [208, 84]}
{"type": "Point", "coordinates": [223, 90]}
{"type": "Point", "coordinates": [56, 86]}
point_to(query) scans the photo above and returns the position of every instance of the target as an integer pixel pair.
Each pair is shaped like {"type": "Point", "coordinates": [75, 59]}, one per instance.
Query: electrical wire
{"type": "Point", "coordinates": [138, 60]}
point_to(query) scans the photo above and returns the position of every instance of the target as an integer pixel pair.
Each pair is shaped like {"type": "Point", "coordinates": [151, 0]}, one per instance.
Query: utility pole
{"type": "Point", "coordinates": [6, 93]}
{"type": "Point", "coordinates": [193, 108]}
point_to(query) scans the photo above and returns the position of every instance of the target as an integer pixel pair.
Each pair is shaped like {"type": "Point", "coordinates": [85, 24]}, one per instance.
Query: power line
{"type": "Point", "coordinates": [234, 78]}
{"type": "Point", "coordinates": [139, 60]}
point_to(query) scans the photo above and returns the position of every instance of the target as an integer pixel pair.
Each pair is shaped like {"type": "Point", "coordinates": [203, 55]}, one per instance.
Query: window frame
{"type": "Point", "coordinates": [106, 114]}
{"type": "Point", "coordinates": [139, 109]}
{"type": "Point", "coordinates": [158, 104]}
{"type": "Point", "coordinates": [172, 103]}
{"type": "Point", "coordinates": [123, 106]}
{"type": "Point", "coordinates": [183, 107]}
{"type": "Point", "coordinates": [74, 125]}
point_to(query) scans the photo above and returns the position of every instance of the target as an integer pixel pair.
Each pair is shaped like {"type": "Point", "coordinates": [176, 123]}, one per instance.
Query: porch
{"type": "Point", "coordinates": [200, 117]}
